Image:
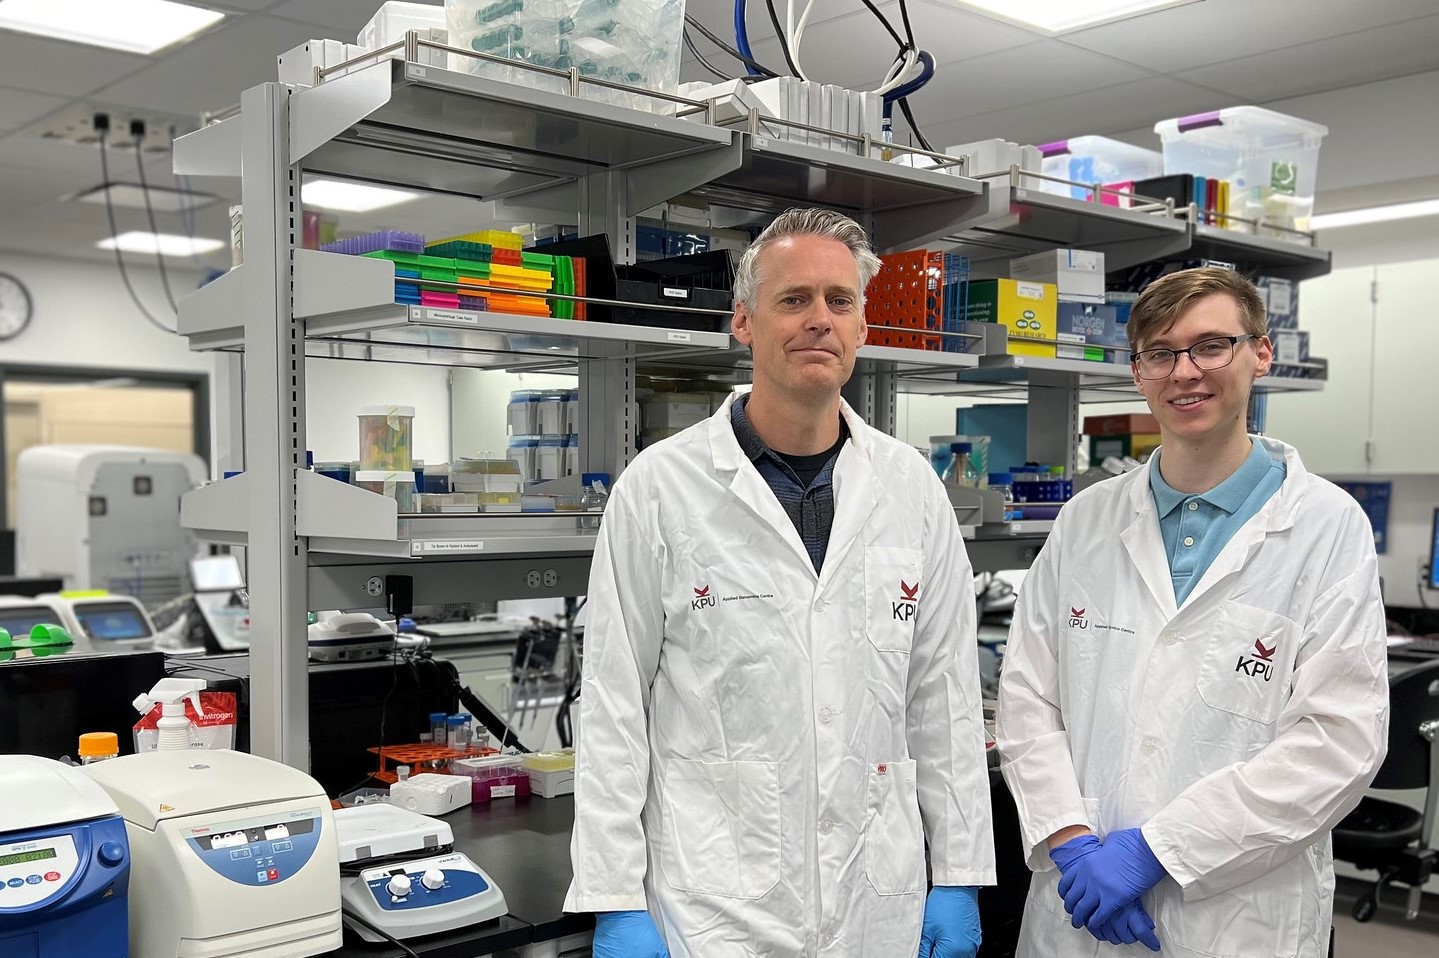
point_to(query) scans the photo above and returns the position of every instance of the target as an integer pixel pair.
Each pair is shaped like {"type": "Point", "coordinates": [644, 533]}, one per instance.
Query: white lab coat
{"type": "Point", "coordinates": [1237, 729]}
{"type": "Point", "coordinates": [764, 751]}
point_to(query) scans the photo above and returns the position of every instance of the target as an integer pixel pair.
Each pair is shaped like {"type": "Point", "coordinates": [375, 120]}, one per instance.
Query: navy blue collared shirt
{"type": "Point", "coordinates": [809, 506]}
{"type": "Point", "coordinates": [1196, 527]}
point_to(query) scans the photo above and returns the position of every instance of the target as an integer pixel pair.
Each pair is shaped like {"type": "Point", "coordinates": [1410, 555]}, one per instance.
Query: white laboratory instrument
{"type": "Point", "coordinates": [221, 620]}
{"type": "Point", "coordinates": [349, 637]}
{"type": "Point", "coordinates": [402, 875]}
{"type": "Point", "coordinates": [64, 863]}
{"type": "Point", "coordinates": [101, 621]}
{"type": "Point", "coordinates": [234, 855]}
{"type": "Point", "coordinates": [19, 614]}
{"type": "Point", "coordinates": [105, 517]}
{"type": "Point", "coordinates": [431, 794]}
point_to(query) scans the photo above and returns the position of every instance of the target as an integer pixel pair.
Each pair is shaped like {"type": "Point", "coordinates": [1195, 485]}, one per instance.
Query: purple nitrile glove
{"type": "Point", "coordinates": [1064, 856]}
{"type": "Point", "coordinates": [1104, 882]}
{"type": "Point", "coordinates": [1131, 924]}
{"type": "Point", "coordinates": [627, 934]}
{"type": "Point", "coordinates": [951, 922]}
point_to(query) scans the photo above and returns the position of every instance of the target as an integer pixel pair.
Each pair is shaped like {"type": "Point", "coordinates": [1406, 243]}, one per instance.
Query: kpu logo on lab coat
{"type": "Point", "coordinates": [1261, 663]}
{"type": "Point", "coordinates": [1077, 619]}
{"type": "Point", "coordinates": [702, 599]}
{"type": "Point", "coordinates": [908, 602]}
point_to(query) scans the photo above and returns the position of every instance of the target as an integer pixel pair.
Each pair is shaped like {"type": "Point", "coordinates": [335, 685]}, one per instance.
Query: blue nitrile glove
{"type": "Point", "coordinates": [951, 923]}
{"type": "Point", "coordinates": [1104, 882]}
{"type": "Point", "coordinates": [1131, 924]}
{"type": "Point", "coordinates": [627, 934]}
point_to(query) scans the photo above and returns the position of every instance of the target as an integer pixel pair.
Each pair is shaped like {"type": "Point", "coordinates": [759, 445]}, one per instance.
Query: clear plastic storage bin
{"type": "Point", "coordinates": [634, 42]}
{"type": "Point", "coordinates": [1270, 160]}
{"type": "Point", "coordinates": [1096, 159]}
{"type": "Point", "coordinates": [386, 436]}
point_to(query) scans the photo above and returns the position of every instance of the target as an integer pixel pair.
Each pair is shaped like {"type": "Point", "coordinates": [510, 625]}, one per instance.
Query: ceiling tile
{"type": "Point", "coordinates": [951, 33]}
{"type": "Point", "coordinates": [213, 71]}
{"type": "Point", "coordinates": [1196, 34]}
{"type": "Point", "coordinates": [1122, 107]}
{"type": "Point", "coordinates": [1380, 54]}
{"type": "Point", "coordinates": [60, 69]}
{"type": "Point", "coordinates": [18, 108]}
{"type": "Point", "coordinates": [1022, 75]}
{"type": "Point", "coordinates": [240, 6]}
{"type": "Point", "coordinates": [342, 19]}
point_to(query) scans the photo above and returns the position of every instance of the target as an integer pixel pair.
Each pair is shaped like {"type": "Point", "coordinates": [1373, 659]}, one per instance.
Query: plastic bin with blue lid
{"type": "Point", "coordinates": [1094, 160]}
{"type": "Point", "coordinates": [1270, 160]}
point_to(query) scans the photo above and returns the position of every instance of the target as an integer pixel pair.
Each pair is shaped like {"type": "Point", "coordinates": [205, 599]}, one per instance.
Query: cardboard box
{"type": "Point", "coordinates": [1291, 346]}
{"type": "Point", "coordinates": [1136, 446]}
{"type": "Point", "coordinates": [1281, 302]}
{"type": "Point", "coordinates": [1126, 424]}
{"type": "Point", "coordinates": [1026, 309]}
{"type": "Point", "coordinates": [1078, 273]}
{"type": "Point", "coordinates": [1091, 332]}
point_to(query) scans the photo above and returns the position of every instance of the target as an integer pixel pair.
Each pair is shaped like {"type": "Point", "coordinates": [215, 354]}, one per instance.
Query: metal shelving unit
{"type": "Point", "coordinates": [315, 543]}
{"type": "Point", "coordinates": [1025, 219]}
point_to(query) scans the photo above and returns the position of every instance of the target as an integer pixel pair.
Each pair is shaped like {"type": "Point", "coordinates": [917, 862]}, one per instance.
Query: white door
{"type": "Point", "coordinates": [1330, 427]}
{"type": "Point", "coordinates": [1406, 346]}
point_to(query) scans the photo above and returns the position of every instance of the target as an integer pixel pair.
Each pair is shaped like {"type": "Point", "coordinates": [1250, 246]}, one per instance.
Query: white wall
{"type": "Point", "coordinates": [335, 389]}
{"type": "Point", "coordinates": [83, 316]}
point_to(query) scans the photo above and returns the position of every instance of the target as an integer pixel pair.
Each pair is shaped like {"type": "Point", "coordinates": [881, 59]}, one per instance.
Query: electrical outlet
{"type": "Point", "coordinates": [76, 124]}
{"type": "Point", "coordinates": [375, 586]}
{"type": "Point", "coordinates": [552, 578]}
{"type": "Point", "coordinates": [532, 578]}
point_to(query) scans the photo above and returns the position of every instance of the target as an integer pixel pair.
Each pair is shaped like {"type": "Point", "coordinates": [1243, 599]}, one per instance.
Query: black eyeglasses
{"type": "Point", "coordinates": [1213, 353]}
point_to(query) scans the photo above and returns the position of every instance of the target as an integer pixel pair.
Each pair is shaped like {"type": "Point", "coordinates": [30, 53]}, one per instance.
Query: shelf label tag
{"type": "Point", "coordinates": [676, 292]}
{"type": "Point", "coordinates": [416, 71]}
{"type": "Point", "coordinates": [450, 316]}
{"type": "Point", "coordinates": [679, 336]}
{"type": "Point", "coordinates": [438, 546]}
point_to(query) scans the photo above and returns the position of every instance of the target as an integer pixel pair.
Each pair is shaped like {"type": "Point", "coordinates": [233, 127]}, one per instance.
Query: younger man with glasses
{"type": "Point", "coordinates": [1194, 690]}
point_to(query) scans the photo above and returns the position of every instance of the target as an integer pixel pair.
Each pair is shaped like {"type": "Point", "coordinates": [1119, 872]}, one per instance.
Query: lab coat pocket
{"type": "Point", "coordinates": [893, 834]}
{"type": "Point", "coordinates": [892, 596]}
{"type": "Point", "coordinates": [1247, 666]}
{"type": "Point", "coordinates": [721, 827]}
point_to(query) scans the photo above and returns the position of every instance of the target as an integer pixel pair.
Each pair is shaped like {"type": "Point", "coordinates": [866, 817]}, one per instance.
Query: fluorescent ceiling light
{"type": "Point", "coordinates": [1061, 16]}
{"type": "Point", "coordinates": [131, 196]}
{"type": "Point", "coordinates": [135, 26]}
{"type": "Point", "coordinates": [168, 244]}
{"type": "Point", "coordinates": [1374, 214]}
{"type": "Point", "coordinates": [352, 197]}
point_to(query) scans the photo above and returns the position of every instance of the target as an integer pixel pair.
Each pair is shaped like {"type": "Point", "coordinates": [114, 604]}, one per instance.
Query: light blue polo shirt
{"type": "Point", "coordinates": [1195, 527]}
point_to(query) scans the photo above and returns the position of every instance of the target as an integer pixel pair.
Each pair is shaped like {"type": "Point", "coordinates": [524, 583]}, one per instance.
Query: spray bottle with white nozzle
{"type": "Point", "coordinates": [174, 725]}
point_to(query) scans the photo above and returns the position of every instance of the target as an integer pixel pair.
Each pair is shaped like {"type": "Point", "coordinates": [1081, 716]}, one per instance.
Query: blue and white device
{"type": "Point", "coordinates": [64, 864]}
{"type": "Point", "coordinates": [234, 855]}
{"type": "Point", "coordinates": [401, 875]}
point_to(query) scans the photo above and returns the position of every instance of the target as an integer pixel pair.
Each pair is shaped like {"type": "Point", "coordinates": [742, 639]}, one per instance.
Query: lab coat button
{"type": "Point", "coordinates": [820, 605]}
{"type": "Point", "coordinates": [1150, 745]}
{"type": "Point", "coordinates": [1170, 637]}
{"type": "Point", "coordinates": [826, 826]}
{"type": "Point", "coordinates": [826, 715]}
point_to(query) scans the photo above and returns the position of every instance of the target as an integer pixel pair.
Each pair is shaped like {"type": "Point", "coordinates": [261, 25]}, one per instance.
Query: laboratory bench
{"type": "Point", "coordinates": [524, 845]}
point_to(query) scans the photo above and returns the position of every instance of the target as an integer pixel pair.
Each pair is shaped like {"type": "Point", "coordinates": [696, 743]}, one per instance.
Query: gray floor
{"type": "Point", "coordinates": [1388, 934]}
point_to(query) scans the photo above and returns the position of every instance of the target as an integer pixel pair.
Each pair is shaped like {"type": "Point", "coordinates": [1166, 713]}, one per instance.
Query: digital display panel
{"type": "Point", "coordinates": [22, 858]}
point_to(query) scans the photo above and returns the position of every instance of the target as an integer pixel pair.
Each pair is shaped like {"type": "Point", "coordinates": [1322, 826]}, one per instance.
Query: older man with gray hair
{"type": "Point", "coordinates": [781, 694]}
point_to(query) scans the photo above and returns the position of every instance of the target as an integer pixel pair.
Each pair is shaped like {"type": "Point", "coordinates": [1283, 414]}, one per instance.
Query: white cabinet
{"type": "Point", "coordinates": [1375, 325]}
